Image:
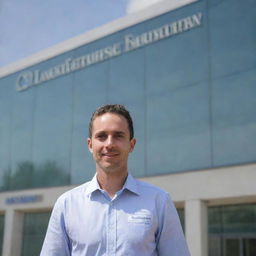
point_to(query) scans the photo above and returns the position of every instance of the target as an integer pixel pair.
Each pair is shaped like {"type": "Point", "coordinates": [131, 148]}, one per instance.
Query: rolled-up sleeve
{"type": "Point", "coordinates": [56, 241]}
{"type": "Point", "coordinates": [170, 239]}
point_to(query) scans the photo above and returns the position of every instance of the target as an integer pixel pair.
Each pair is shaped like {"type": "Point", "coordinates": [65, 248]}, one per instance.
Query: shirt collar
{"type": "Point", "coordinates": [130, 184]}
{"type": "Point", "coordinates": [93, 186]}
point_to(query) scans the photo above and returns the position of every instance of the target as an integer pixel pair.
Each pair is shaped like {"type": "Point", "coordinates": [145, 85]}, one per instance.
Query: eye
{"type": "Point", "coordinates": [101, 136]}
{"type": "Point", "coordinates": [119, 135]}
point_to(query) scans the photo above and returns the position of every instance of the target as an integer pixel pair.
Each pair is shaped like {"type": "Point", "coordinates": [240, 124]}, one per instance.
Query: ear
{"type": "Point", "coordinates": [132, 144]}
{"type": "Point", "coordinates": [89, 144]}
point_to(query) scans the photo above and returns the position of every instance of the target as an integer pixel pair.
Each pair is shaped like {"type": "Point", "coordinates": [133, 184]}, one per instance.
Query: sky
{"type": "Point", "coordinates": [29, 26]}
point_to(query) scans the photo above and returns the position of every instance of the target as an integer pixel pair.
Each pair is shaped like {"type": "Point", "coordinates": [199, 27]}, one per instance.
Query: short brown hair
{"type": "Point", "coordinates": [115, 109]}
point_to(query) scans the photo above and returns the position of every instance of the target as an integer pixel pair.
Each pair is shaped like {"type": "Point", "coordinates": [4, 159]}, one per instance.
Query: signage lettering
{"type": "Point", "coordinates": [28, 79]}
{"type": "Point", "coordinates": [23, 199]}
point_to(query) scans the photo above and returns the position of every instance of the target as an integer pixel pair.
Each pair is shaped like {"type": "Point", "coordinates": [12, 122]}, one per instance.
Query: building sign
{"type": "Point", "coordinates": [23, 199]}
{"type": "Point", "coordinates": [130, 42]}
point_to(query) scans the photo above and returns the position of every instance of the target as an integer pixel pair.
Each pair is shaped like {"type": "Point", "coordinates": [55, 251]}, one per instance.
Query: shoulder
{"type": "Point", "coordinates": [72, 194]}
{"type": "Point", "coordinates": [150, 187]}
{"type": "Point", "coordinates": [158, 197]}
{"type": "Point", "coordinates": [151, 190]}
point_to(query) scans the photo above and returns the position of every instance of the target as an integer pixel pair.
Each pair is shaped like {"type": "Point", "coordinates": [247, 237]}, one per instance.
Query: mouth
{"type": "Point", "coordinates": [110, 155]}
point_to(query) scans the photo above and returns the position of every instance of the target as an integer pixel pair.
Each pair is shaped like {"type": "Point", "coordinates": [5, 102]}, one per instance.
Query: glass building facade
{"type": "Point", "coordinates": [188, 79]}
{"type": "Point", "coordinates": [192, 96]}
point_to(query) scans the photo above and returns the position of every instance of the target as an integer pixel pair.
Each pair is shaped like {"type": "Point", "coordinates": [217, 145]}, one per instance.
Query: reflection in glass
{"type": "Point", "coordinates": [239, 218]}
{"type": "Point", "coordinates": [232, 230]}
{"type": "Point", "coordinates": [52, 125]}
{"type": "Point", "coordinates": [182, 218]}
{"type": "Point", "coordinates": [6, 94]}
{"type": "Point", "coordinates": [35, 225]}
{"type": "Point", "coordinates": [215, 246]}
{"type": "Point", "coordinates": [232, 247]}
{"type": "Point", "coordinates": [28, 175]}
{"type": "Point", "coordinates": [249, 246]}
{"type": "Point", "coordinates": [1, 232]}
{"type": "Point", "coordinates": [234, 119]}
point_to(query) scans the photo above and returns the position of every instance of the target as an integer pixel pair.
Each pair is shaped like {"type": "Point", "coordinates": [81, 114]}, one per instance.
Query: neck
{"type": "Point", "coordinates": [111, 182]}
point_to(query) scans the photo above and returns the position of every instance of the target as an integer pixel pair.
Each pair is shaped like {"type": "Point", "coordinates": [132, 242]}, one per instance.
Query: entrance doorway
{"type": "Point", "coordinates": [239, 246]}
{"type": "Point", "coordinates": [232, 230]}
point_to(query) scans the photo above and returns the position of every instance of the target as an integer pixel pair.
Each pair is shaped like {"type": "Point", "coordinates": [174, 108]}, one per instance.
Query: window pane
{"type": "Point", "coordinates": [52, 127]}
{"type": "Point", "coordinates": [181, 214]}
{"type": "Point", "coordinates": [177, 122]}
{"type": "Point", "coordinates": [6, 95]}
{"type": "Point", "coordinates": [249, 246]}
{"type": "Point", "coordinates": [22, 167]}
{"type": "Point", "coordinates": [214, 219]}
{"type": "Point", "coordinates": [230, 227]}
{"type": "Point", "coordinates": [233, 42]}
{"type": "Point", "coordinates": [234, 119]}
{"type": "Point", "coordinates": [1, 232]}
{"type": "Point", "coordinates": [239, 218]}
{"type": "Point", "coordinates": [35, 225]}
{"type": "Point", "coordinates": [232, 247]}
{"type": "Point", "coordinates": [214, 246]}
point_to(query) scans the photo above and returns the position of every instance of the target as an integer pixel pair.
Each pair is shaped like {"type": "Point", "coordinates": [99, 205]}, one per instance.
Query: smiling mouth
{"type": "Point", "coordinates": [110, 154]}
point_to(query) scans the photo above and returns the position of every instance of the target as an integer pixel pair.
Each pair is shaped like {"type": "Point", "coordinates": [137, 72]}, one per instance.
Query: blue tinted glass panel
{"type": "Point", "coordinates": [90, 87]}
{"type": "Point", "coordinates": [127, 87]}
{"type": "Point", "coordinates": [232, 34]}
{"type": "Point", "coordinates": [42, 129]}
{"type": "Point", "coordinates": [35, 225]}
{"type": "Point", "coordinates": [1, 232]}
{"type": "Point", "coordinates": [6, 98]}
{"type": "Point", "coordinates": [21, 140]}
{"type": "Point", "coordinates": [178, 130]}
{"type": "Point", "coordinates": [179, 60]}
{"type": "Point", "coordinates": [234, 119]}
{"type": "Point", "coordinates": [52, 132]}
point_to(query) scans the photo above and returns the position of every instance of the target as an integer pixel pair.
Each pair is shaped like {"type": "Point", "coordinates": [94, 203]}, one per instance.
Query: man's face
{"type": "Point", "coordinates": [110, 143]}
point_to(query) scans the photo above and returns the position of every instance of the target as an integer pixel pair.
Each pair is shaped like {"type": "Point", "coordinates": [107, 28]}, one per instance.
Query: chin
{"type": "Point", "coordinates": [111, 168]}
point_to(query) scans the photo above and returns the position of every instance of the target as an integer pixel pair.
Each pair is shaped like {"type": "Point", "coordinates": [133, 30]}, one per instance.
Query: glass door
{"type": "Point", "coordinates": [249, 247]}
{"type": "Point", "coordinates": [232, 247]}
{"type": "Point", "coordinates": [239, 246]}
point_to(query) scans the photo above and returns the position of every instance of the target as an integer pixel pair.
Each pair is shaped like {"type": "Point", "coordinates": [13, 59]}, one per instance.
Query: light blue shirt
{"type": "Point", "coordinates": [140, 220]}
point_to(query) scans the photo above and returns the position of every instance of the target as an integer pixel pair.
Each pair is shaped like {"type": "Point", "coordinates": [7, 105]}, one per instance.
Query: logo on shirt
{"type": "Point", "coordinates": [140, 218]}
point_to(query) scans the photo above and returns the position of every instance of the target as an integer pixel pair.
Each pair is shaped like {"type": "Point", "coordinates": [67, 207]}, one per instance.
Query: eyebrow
{"type": "Point", "coordinates": [115, 132]}
{"type": "Point", "coordinates": [120, 132]}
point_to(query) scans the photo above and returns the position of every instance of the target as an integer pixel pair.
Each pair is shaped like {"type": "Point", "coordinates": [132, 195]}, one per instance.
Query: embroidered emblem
{"type": "Point", "coordinates": [140, 218]}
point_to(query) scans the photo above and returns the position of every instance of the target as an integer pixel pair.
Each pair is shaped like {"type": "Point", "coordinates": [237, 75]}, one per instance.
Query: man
{"type": "Point", "coordinates": [114, 214]}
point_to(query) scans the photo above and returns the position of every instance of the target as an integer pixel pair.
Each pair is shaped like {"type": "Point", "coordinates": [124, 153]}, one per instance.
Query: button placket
{"type": "Point", "coordinates": [111, 240]}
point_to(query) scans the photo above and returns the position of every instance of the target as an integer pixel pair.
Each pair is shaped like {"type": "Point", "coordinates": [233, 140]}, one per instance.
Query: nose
{"type": "Point", "coordinates": [110, 142]}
